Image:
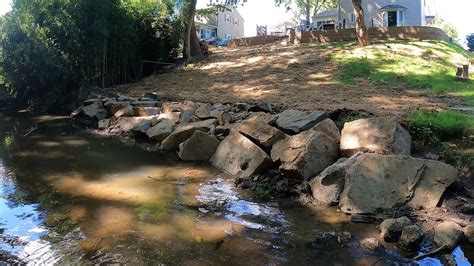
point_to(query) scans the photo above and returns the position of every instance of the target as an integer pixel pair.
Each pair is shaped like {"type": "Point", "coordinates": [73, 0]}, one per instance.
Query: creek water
{"type": "Point", "coordinates": [69, 196]}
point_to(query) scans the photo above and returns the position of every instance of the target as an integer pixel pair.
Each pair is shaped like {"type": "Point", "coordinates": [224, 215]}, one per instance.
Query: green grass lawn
{"type": "Point", "coordinates": [427, 65]}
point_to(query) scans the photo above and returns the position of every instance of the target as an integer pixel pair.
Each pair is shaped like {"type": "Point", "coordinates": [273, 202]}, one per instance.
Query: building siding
{"type": "Point", "coordinates": [414, 15]}
{"type": "Point", "coordinates": [226, 28]}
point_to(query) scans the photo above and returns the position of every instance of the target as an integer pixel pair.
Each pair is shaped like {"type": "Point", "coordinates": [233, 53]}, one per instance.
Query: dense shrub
{"type": "Point", "coordinates": [51, 49]}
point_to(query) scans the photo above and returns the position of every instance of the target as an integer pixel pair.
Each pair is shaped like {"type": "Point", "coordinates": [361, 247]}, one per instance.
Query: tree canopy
{"type": "Point", "coordinates": [51, 49]}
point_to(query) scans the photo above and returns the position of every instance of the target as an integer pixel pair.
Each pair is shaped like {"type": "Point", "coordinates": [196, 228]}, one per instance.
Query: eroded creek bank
{"type": "Point", "coordinates": [92, 198]}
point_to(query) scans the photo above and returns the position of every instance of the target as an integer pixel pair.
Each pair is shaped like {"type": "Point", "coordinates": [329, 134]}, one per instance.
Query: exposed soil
{"type": "Point", "coordinates": [302, 77]}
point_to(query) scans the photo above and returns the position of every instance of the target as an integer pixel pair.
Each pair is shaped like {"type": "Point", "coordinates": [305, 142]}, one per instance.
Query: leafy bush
{"type": "Point", "coordinates": [51, 49]}
{"type": "Point", "coordinates": [428, 125]}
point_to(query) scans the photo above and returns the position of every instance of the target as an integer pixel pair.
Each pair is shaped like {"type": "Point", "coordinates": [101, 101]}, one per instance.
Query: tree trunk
{"type": "Point", "coordinates": [196, 51]}
{"type": "Point", "coordinates": [308, 15]}
{"type": "Point", "coordinates": [190, 11]}
{"type": "Point", "coordinates": [361, 30]}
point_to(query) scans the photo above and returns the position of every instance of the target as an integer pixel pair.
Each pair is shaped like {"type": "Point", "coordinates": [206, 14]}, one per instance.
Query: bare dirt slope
{"type": "Point", "coordinates": [302, 77]}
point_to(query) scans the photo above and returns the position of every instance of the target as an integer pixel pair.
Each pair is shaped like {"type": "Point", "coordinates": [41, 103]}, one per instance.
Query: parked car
{"type": "Point", "coordinates": [210, 41]}
{"type": "Point", "coordinates": [222, 42]}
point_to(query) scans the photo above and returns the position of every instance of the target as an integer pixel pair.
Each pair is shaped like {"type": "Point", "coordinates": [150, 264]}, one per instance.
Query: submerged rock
{"type": "Point", "coordinates": [330, 240]}
{"type": "Point", "coordinates": [376, 135]}
{"type": "Point", "coordinates": [308, 154]}
{"type": "Point", "coordinates": [411, 238]}
{"type": "Point", "coordinates": [184, 132]}
{"type": "Point", "coordinates": [200, 147]}
{"type": "Point", "coordinates": [391, 229]}
{"type": "Point", "coordinates": [294, 121]}
{"type": "Point", "coordinates": [448, 234]}
{"type": "Point", "coordinates": [237, 155]}
{"type": "Point", "coordinates": [377, 183]}
{"type": "Point", "coordinates": [371, 243]}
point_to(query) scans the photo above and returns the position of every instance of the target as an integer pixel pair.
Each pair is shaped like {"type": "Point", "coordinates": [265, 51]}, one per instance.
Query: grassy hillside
{"type": "Point", "coordinates": [428, 65]}
{"type": "Point", "coordinates": [421, 65]}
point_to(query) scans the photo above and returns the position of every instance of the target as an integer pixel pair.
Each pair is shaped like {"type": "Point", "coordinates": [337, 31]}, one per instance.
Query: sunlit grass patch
{"type": "Point", "coordinates": [427, 65]}
{"type": "Point", "coordinates": [445, 124]}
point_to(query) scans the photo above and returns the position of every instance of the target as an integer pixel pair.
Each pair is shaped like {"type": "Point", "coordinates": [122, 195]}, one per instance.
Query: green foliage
{"type": "Point", "coordinates": [470, 42]}
{"type": "Point", "coordinates": [447, 27]}
{"type": "Point", "coordinates": [51, 49]}
{"type": "Point", "coordinates": [431, 125]}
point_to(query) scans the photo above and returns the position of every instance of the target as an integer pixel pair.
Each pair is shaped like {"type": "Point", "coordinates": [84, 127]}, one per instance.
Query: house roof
{"type": "Point", "coordinates": [327, 13]}
{"type": "Point", "coordinates": [392, 7]}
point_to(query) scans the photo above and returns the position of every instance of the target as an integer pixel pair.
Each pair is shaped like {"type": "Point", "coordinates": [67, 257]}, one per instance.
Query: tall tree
{"type": "Point", "coordinates": [192, 49]}
{"type": "Point", "coordinates": [361, 29]}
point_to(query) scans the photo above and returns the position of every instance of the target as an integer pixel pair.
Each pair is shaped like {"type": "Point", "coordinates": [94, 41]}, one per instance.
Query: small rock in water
{"type": "Point", "coordinates": [331, 240]}
{"type": "Point", "coordinates": [411, 238]}
{"type": "Point", "coordinates": [448, 260]}
{"type": "Point", "coordinates": [448, 234]}
{"type": "Point", "coordinates": [391, 229]}
{"type": "Point", "coordinates": [371, 244]}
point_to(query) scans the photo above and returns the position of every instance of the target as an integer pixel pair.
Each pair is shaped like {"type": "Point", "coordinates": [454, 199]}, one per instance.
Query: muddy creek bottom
{"type": "Point", "coordinates": [68, 196]}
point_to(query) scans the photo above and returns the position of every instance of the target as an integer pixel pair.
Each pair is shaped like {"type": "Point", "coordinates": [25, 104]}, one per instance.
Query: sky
{"type": "Point", "coordinates": [263, 12]}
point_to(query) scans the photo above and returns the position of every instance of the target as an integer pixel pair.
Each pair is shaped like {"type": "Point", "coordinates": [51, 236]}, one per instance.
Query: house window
{"type": "Point", "coordinates": [353, 17]}
{"type": "Point", "coordinates": [227, 18]}
{"type": "Point", "coordinates": [236, 21]}
{"type": "Point", "coordinates": [401, 18]}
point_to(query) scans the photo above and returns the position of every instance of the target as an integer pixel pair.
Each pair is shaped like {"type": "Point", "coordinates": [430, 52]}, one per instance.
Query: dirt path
{"type": "Point", "coordinates": [301, 77]}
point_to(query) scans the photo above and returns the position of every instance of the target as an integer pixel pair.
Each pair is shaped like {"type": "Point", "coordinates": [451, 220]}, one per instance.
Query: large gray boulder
{"type": "Point", "coordinates": [436, 178]}
{"type": "Point", "coordinates": [376, 183]}
{"type": "Point", "coordinates": [278, 147]}
{"type": "Point", "coordinates": [95, 111]}
{"type": "Point", "coordinates": [307, 154]}
{"type": "Point", "coordinates": [328, 127]}
{"type": "Point", "coordinates": [113, 105]}
{"type": "Point", "coordinates": [239, 156]}
{"type": "Point", "coordinates": [328, 185]}
{"type": "Point", "coordinates": [448, 234]}
{"type": "Point", "coordinates": [257, 129]}
{"type": "Point", "coordinates": [123, 125]}
{"type": "Point", "coordinates": [376, 135]}
{"type": "Point", "coordinates": [200, 147]}
{"type": "Point", "coordinates": [161, 131]}
{"type": "Point", "coordinates": [294, 121]}
{"type": "Point", "coordinates": [184, 132]}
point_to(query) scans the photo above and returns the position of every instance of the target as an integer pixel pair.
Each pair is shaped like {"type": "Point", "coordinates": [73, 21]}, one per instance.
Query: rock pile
{"type": "Point", "coordinates": [376, 175]}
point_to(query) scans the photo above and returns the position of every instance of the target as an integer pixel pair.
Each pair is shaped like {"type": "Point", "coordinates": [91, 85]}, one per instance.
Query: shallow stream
{"type": "Point", "coordinates": [69, 196]}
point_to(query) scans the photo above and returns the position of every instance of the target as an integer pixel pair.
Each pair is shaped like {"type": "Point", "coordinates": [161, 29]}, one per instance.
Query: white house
{"type": "Point", "coordinates": [226, 25]}
{"type": "Point", "coordinates": [378, 13]}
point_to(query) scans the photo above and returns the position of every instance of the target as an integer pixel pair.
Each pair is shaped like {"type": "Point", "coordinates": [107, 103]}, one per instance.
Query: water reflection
{"type": "Point", "coordinates": [70, 197]}
{"type": "Point", "coordinates": [21, 228]}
